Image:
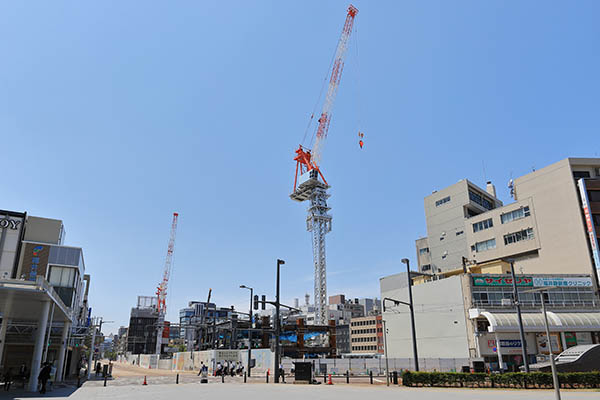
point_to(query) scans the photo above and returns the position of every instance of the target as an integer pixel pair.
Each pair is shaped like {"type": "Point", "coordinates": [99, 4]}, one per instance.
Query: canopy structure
{"type": "Point", "coordinates": [23, 300]}
{"type": "Point", "coordinates": [534, 322]}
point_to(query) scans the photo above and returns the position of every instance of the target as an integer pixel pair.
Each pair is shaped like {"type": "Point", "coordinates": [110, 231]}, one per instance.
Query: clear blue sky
{"type": "Point", "coordinates": [115, 114]}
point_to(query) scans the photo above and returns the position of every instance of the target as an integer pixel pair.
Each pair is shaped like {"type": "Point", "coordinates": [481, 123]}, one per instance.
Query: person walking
{"type": "Point", "coordinates": [44, 376]}
{"type": "Point", "coordinates": [232, 369]}
{"type": "Point", "coordinates": [8, 379]}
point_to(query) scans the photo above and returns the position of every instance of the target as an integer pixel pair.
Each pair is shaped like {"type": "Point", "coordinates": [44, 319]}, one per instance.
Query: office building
{"type": "Point", "coordinates": [366, 335]}
{"type": "Point", "coordinates": [43, 296]}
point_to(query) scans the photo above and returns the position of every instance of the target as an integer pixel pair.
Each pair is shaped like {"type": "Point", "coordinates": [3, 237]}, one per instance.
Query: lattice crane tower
{"type": "Point", "coordinates": [308, 186]}
{"type": "Point", "coordinates": [161, 290]}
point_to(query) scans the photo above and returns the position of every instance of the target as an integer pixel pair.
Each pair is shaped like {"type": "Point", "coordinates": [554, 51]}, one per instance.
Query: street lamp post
{"type": "Point", "coordinates": [277, 325]}
{"type": "Point", "coordinates": [387, 366]}
{"type": "Point", "coordinates": [552, 363]}
{"type": "Point", "coordinates": [519, 318]}
{"type": "Point", "coordinates": [249, 330]}
{"type": "Point", "coordinates": [412, 313]}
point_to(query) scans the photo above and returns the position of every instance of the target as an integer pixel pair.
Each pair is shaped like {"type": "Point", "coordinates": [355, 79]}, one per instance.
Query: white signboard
{"type": "Point", "coordinates": [11, 225]}
{"type": "Point", "coordinates": [562, 281]}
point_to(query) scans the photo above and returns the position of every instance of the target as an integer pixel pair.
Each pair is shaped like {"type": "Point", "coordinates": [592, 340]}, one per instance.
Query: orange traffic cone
{"type": "Point", "coordinates": [145, 383]}
{"type": "Point", "coordinates": [329, 382]}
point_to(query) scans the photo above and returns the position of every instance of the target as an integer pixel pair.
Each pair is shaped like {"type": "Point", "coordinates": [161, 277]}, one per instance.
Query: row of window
{"type": "Point", "coordinates": [481, 200]}
{"type": "Point", "coordinates": [364, 339]}
{"type": "Point", "coordinates": [363, 331]}
{"type": "Point", "coordinates": [363, 322]}
{"type": "Point", "coordinates": [442, 201]}
{"type": "Point", "coordinates": [364, 348]}
{"type": "Point", "coordinates": [482, 225]}
{"type": "Point", "coordinates": [526, 234]}
{"type": "Point", "coordinates": [514, 215]}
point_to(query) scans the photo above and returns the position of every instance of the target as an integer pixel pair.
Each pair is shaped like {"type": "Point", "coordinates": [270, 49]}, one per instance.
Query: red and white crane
{"type": "Point", "coordinates": [306, 182]}
{"type": "Point", "coordinates": [161, 290]}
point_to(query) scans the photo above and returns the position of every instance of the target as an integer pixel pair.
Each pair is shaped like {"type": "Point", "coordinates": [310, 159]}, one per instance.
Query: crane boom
{"type": "Point", "coordinates": [334, 84]}
{"type": "Point", "coordinates": [161, 290]}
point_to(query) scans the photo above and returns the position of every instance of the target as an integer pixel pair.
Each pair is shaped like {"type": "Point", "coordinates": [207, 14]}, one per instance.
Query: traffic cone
{"type": "Point", "coordinates": [145, 383]}
{"type": "Point", "coordinates": [329, 382]}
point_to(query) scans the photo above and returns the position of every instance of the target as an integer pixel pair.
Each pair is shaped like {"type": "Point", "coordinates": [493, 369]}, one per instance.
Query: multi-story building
{"type": "Point", "coordinates": [366, 335]}
{"type": "Point", "coordinates": [370, 306]}
{"type": "Point", "coordinates": [471, 316]}
{"type": "Point", "coordinates": [543, 231]}
{"type": "Point", "coordinates": [465, 306]}
{"type": "Point", "coordinates": [43, 296]}
{"type": "Point", "coordinates": [342, 339]}
{"type": "Point", "coordinates": [142, 331]}
{"type": "Point", "coordinates": [194, 316]}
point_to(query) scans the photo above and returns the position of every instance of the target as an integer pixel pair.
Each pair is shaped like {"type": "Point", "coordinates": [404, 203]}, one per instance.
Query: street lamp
{"type": "Point", "coordinates": [552, 363]}
{"type": "Point", "coordinates": [412, 312]}
{"type": "Point", "coordinates": [519, 318]}
{"type": "Point", "coordinates": [249, 330]}
{"type": "Point", "coordinates": [277, 325]}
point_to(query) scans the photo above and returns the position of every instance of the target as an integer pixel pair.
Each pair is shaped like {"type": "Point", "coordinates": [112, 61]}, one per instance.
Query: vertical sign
{"type": "Point", "coordinates": [588, 221]}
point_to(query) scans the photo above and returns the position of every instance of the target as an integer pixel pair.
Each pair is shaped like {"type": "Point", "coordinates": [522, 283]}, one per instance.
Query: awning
{"type": "Point", "coordinates": [534, 322]}
{"type": "Point", "coordinates": [22, 300]}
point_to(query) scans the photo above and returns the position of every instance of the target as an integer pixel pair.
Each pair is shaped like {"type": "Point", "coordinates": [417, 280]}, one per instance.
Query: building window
{"type": "Point", "coordinates": [481, 200]}
{"type": "Point", "coordinates": [62, 280]}
{"type": "Point", "coordinates": [482, 225]}
{"type": "Point", "coordinates": [594, 196]}
{"type": "Point", "coordinates": [526, 234]}
{"type": "Point", "coordinates": [424, 250]}
{"type": "Point", "coordinates": [459, 233]}
{"type": "Point", "coordinates": [442, 201]}
{"type": "Point", "coordinates": [514, 215]}
{"type": "Point", "coordinates": [426, 267]}
{"type": "Point", "coordinates": [596, 219]}
{"type": "Point", "coordinates": [581, 174]}
{"type": "Point", "coordinates": [485, 245]}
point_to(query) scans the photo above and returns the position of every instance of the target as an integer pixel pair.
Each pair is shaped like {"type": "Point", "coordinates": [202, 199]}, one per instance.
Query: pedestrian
{"type": "Point", "coordinates": [232, 369]}
{"type": "Point", "coordinates": [219, 369]}
{"type": "Point", "coordinates": [44, 376]}
{"type": "Point", "coordinates": [226, 370]}
{"type": "Point", "coordinates": [241, 369]}
{"type": "Point", "coordinates": [201, 367]}
{"type": "Point", "coordinates": [8, 379]}
{"type": "Point", "coordinates": [98, 368]}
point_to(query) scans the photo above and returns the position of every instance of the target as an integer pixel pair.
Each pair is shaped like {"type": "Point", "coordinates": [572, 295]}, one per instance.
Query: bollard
{"type": "Point", "coordinates": [245, 377]}
{"type": "Point", "coordinates": [347, 376]}
{"type": "Point", "coordinates": [267, 376]}
{"type": "Point", "coordinates": [177, 380]}
{"type": "Point", "coordinates": [325, 378]}
{"type": "Point", "coordinates": [78, 381]}
{"type": "Point", "coordinates": [105, 380]}
{"type": "Point", "coordinates": [371, 376]}
{"type": "Point", "coordinates": [395, 377]}
{"type": "Point", "coordinates": [222, 378]}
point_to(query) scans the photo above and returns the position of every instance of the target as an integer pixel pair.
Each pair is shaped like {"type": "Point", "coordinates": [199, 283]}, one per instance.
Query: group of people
{"type": "Point", "coordinates": [229, 368]}
{"type": "Point", "coordinates": [43, 376]}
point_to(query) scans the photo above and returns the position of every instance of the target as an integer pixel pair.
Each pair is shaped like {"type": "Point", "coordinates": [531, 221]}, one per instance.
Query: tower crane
{"type": "Point", "coordinates": [308, 186]}
{"type": "Point", "coordinates": [161, 290]}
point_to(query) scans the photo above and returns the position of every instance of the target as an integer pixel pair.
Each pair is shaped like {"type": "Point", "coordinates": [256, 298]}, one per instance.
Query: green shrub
{"type": "Point", "coordinates": [511, 379]}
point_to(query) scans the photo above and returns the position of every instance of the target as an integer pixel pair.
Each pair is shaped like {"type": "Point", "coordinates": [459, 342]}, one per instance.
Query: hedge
{"type": "Point", "coordinates": [532, 380]}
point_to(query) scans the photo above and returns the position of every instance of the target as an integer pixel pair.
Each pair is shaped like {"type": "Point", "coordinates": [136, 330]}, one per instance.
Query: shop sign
{"type": "Point", "coordinates": [542, 343]}
{"type": "Point", "coordinates": [584, 337]}
{"type": "Point", "coordinates": [562, 282]}
{"type": "Point", "coordinates": [35, 261]}
{"type": "Point", "coordinates": [501, 281]}
{"type": "Point", "coordinates": [505, 343]}
{"type": "Point", "coordinates": [570, 339]}
{"type": "Point", "coordinates": [9, 223]}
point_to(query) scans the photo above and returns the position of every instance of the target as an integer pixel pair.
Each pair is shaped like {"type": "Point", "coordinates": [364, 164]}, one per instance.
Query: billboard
{"type": "Point", "coordinates": [501, 281]}
{"type": "Point", "coordinates": [35, 260]}
{"type": "Point", "coordinates": [589, 222]}
{"type": "Point", "coordinates": [562, 281]}
{"type": "Point", "coordinates": [11, 234]}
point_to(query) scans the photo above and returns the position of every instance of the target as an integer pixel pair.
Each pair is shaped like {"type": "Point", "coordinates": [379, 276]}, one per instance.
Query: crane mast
{"type": "Point", "coordinates": [161, 290]}
{"type": "Point", "coordinates": [307, 185]}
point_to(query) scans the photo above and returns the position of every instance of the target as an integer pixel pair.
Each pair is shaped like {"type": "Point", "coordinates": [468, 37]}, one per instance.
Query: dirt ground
{"type": "Point", "coordinates": [126, 370]}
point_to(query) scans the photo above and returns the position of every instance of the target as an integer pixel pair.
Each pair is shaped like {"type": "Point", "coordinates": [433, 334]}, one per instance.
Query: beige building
{"type": "Point", "coordinates": [543, 231]}
{"type": "Point", "coordinates": [366, 335]}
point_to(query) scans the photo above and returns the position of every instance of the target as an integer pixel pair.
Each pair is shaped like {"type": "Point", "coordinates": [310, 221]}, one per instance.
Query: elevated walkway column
{"type": "Point", "coordinates": [3, 329]}
{"type": "Point", "coordinates": [39, 347]}
{"type": "Point", "coordinates": [62, 352]}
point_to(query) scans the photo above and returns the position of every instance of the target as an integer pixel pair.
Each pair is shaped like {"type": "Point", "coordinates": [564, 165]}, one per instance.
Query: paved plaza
{"type": "Point", "coordinates": [236, 391]}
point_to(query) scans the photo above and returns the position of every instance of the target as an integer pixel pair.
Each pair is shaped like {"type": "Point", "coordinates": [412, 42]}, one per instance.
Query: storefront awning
{"type": "Point", "coordinates": [22, 300]}
{"type": "Point", "coordinates": [534, 322]}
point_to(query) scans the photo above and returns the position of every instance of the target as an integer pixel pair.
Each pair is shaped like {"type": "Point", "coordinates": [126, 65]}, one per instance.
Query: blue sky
{"type": "Point", "coordinates": [115, 114]}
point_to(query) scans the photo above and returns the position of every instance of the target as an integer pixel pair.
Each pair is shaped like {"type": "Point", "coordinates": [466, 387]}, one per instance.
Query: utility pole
{"type": "Point", "coordinates": [92, 348]}
{"type": "Point", "coordinates": [520, 319]}
{"type": "Point", "coordinates": [249, 330]}
{"type": "Point", "coordinates": [412, 313]}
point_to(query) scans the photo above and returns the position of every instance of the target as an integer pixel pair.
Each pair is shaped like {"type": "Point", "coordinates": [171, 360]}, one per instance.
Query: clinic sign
{"type": "Point", "coordinates": [501, 281]}
{"type": "Point", "coordinates": [588, 221]}
{"type": "Point", "coordinates": [562, 282]}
